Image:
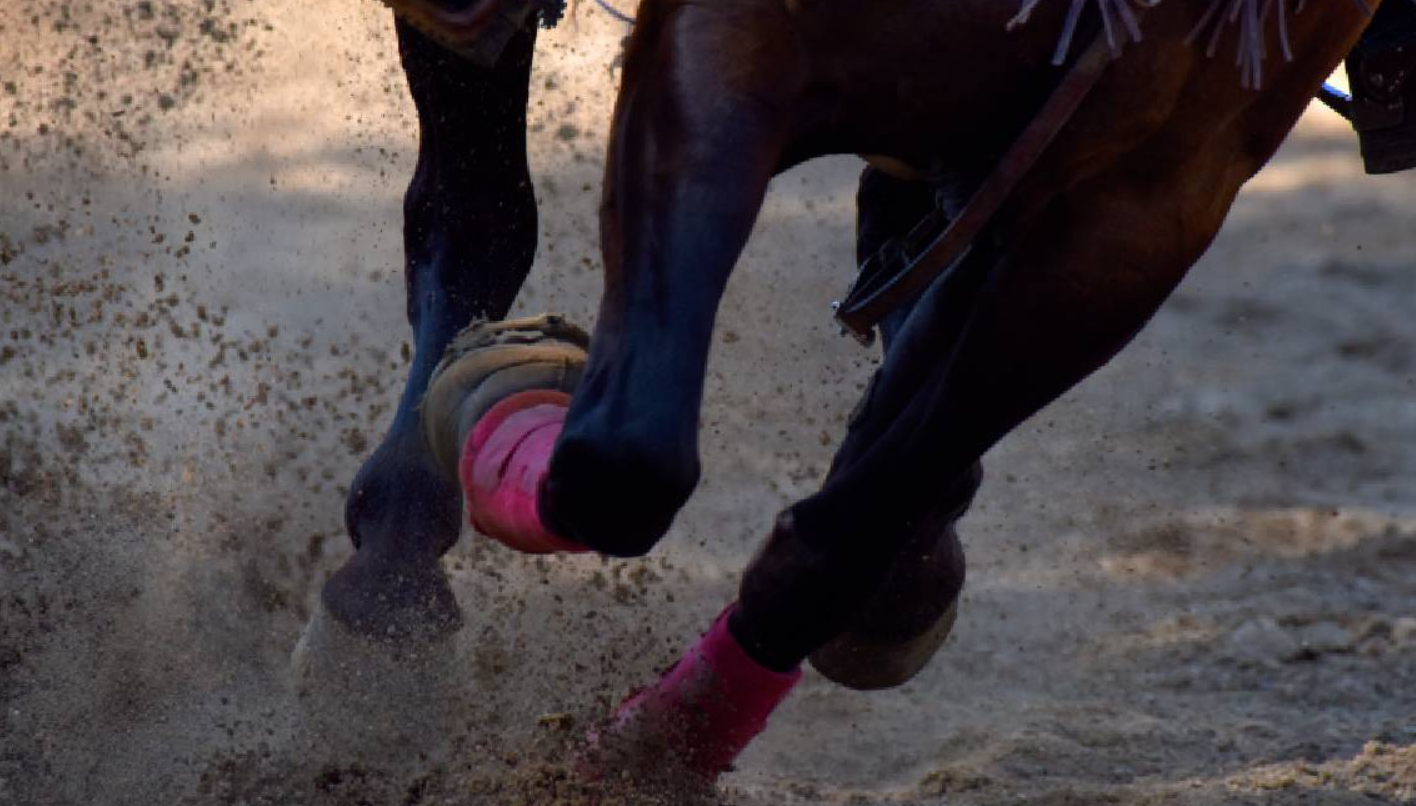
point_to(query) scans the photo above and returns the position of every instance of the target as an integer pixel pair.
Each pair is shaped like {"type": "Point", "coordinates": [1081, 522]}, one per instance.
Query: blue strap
{"type": "Point", "coordinates": [614, 12]}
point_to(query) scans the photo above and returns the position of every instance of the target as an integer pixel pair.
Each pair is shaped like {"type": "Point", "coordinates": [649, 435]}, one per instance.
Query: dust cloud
{"type": "Point", "coordinates": [1193, 580]}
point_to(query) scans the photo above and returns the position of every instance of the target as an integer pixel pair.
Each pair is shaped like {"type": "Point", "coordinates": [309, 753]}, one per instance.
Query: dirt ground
{"type": "Point", "coordinates": [1192, 581]}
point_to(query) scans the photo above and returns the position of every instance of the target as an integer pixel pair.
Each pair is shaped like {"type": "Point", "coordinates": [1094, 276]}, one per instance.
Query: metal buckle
{"type": "Point", "coordinates": [880, 271]}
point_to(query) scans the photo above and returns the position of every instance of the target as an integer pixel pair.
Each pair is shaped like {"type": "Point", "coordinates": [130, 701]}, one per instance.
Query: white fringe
{"type": "Point", "coordinates": [1116, 15]}
{"type": "Point", "coordinates": [1249, 17]}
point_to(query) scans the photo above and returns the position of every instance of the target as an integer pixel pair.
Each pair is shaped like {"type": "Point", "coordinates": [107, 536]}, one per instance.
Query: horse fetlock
{"type": "Point", "coordinates": [615, 495]}
{"type": "Point", "coordinates": [399, 504]}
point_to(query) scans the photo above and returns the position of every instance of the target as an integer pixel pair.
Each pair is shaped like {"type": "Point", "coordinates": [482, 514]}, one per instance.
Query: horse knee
{"type": "Point", "coordinates": [615, 494]}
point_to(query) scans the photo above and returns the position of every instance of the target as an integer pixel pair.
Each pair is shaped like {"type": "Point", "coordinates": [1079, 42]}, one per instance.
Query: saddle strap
{"type": "Point", "coordinates": [876, 293]}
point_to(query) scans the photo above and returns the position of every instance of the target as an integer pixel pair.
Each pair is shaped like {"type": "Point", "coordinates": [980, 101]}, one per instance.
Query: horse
{"type": "Point", "coordinates": [560, 440]}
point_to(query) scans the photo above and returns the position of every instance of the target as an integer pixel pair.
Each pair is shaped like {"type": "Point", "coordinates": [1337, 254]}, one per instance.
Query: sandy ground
{"type": "Point", "coordinates": [1192, 581]}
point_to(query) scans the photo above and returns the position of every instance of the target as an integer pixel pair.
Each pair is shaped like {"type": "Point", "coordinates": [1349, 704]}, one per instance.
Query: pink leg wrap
{"type": "Point", "coordinates": [709, 706]}
{"type": "Point", "coordinates": [503, 462]}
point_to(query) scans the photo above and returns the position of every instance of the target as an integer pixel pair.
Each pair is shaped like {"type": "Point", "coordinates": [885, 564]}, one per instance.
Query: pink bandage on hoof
{"type": "Point", "coordinates": [503, 462]}
{"type": "Point", "coordinates": [703, 712]}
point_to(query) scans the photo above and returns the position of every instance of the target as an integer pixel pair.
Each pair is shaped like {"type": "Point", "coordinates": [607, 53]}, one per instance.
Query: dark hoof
{"type": "Point", "coordinates": [912, 615]}
{"type": "Point", "coordinates": [382, 599]}
{"type": "Point", "coordinates": [908, 620]}
{"type": "Point", "coordinates": [865, 662]}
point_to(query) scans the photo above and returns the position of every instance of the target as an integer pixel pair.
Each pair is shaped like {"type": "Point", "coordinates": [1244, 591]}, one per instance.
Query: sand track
{"type": "Point", "coordinates": [1193, 580]}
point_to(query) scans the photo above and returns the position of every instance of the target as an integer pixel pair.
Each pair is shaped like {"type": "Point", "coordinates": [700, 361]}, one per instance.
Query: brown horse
{"type": "Point", "coordinates": [716, 98]}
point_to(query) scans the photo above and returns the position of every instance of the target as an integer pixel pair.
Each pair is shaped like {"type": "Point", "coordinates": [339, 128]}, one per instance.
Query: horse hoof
{"type": "Point", "coordinates": [909, 619]}
{"type": "Point", "coordinates": [911, 616]}
{"type": "Point", "coordinates": [379, 599]}
{"type": "Point", "coordinates": [863, 662]}
{"type": "Point", "coordinates": [490, 361]}
{"type": "Point", "coordinates": [328, 648]}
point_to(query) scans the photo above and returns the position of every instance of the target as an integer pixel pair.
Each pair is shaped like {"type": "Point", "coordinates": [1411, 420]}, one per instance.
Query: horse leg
{"type": "Point", "coordinates": [978, 355]}
{"type": "Point", "coordinates": [469, 238]}
{"type": "Point", "coordinates": [718, 697]}
{"type": "Point", "coordinates": [1014, 328]}
{"type": "Point", "coordinates": [912, 613]}
{"type": "Point", "coordinates": [695, 140]}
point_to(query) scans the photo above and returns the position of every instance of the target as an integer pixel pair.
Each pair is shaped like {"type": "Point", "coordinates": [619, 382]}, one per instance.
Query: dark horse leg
{"type": "Point", "coordinates": [974, 358]}
{"type": "Point", "coordinates": [1016, 326]}
{"type": "Point", "coordinates": [685, 178]}
{"type": "Point", "coordinates": [469, 239]}
{"type": "Point", "coordinates": [1098, 239]}
{"type": "Point", "coordinates": [899, 630]}
{"type": "Point", "coordinates": [1010, 332]}
{"type": "Point", "coordinates": [696, 138]}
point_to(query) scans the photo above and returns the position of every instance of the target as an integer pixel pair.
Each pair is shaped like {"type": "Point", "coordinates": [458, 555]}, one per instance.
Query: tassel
{"type": "Point", "coordinates": [1249, 17]}
{"type": "Point", "coordinates": [1118, 18]}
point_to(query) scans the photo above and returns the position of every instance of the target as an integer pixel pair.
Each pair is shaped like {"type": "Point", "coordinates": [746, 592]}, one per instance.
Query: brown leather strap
{"type": "Point", "coordinates": [872, 298]}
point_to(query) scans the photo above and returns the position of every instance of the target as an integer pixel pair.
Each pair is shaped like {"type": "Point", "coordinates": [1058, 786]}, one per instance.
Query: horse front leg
{"type": "Point", "coordinates": [469, 236]}
{"type": "Point", "coordinates": [704, 116]}
{"type": "Point", "coordinates": [695, 141]}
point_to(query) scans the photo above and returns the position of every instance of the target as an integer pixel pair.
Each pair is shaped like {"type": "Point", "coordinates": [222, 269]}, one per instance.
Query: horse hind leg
{"type": "Point", "coordinates": [469, 237]}
{"type": "Point", "coordinates": [975, 358]}
{"type": "Point", "coordinates": [908, 619]}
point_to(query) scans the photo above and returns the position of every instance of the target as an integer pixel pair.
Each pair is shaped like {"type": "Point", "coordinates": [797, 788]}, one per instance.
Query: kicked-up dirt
{"type": "Point", "coordinates": [1192, 581]}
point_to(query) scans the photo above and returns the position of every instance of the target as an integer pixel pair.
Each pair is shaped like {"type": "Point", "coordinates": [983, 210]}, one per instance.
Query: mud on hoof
{"type": "Point", "coordinates": [391, 601]}
{"type": "Point", "coordinates": [489, 361]}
